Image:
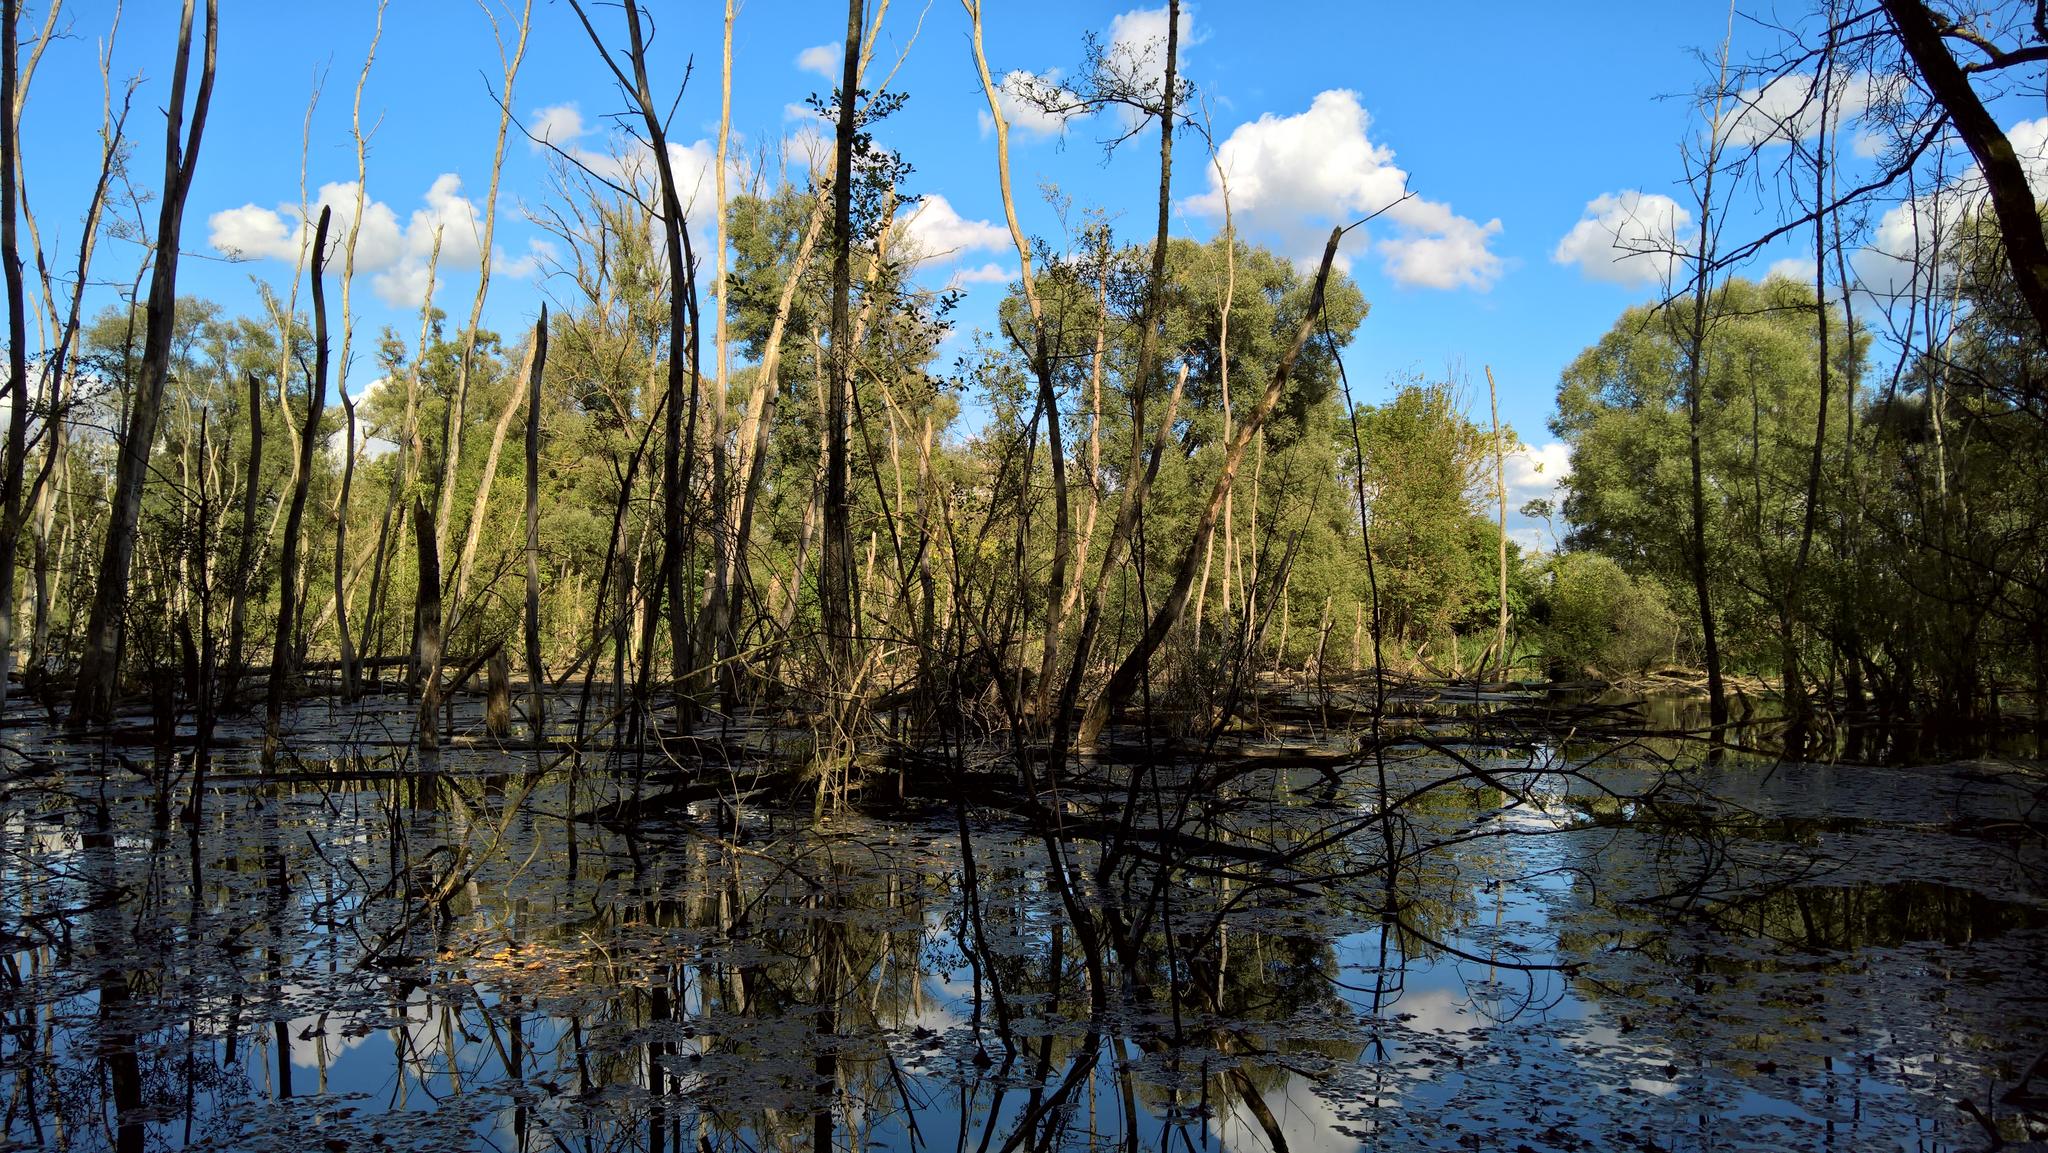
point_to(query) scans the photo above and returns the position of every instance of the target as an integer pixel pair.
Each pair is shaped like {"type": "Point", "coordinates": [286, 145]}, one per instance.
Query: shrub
{"type": "Point", "coordinates": [1591, 616]}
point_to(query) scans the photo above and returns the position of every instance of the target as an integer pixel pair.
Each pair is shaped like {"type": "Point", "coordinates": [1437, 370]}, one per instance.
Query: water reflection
{"type": "Point", "coordinates": [373, 957]}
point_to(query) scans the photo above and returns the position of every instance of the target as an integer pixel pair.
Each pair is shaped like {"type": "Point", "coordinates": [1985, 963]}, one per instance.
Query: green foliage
{"type": "Point", "coordinates": [1588, 615]}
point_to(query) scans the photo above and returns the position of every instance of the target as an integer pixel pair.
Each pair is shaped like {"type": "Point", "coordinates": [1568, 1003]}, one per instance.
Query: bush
{"type": "Point", "coordinates": [1593, 617]}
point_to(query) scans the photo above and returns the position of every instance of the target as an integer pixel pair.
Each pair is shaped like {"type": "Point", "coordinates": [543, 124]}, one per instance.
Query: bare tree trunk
{"type": "Point", "coordinates": [1500, 489]}
{"type": "Point", "coordinates": [284, 657]}
{"type": "Point", "coordinates": [465, 563]}
{"type": "Point", "coordinates": [407, 467]}
{"type": "Point", "coordinates": [351, 679]}
{"type": "Point", "coordinates": [1087, 534]}
{"type": "Point", "coordinates": [245, 552]}
{"type": "Point", "coordinates": [1921, 33]}
{"type": "Point", "coordinates": [15, 465]}
{"type": "Point", "coordinates": [426, 637]}
{"type": "Point", "coordinates": [715, 639]}
{"type": "Point", "coordinates": [351, 675]}
{"type": "Point", "coordinates": [536, 681]}
{"type": "Point", "coordinates": [498, 694]}
{"type": "Point", "coordinates": [99, 667]}
{"type": "Point", "coordinates": [451, 437]}
{"type": "Point", "coordinates": [44, 496]}
{"type": "Point", "coordinates": [1798, 709]}
{"type": "Point", "coordinates": [837, 610]}
{"type": "Point", "coordinates": [1696, 377]}
{"type": "Point", "coordinates": [1125, 679]}
{"type": "Point", "coordinates": [1041, 367]}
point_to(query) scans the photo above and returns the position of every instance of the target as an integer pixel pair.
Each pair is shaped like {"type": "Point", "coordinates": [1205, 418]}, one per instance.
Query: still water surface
{"type": "Point", "coordinates": [365, 956]}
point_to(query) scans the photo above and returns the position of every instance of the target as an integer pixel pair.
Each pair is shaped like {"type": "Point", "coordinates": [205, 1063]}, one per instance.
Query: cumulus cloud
{"type": "Point", "coordinates": [395, 256]}
{"type": "Point", "coordinates": [1286, 172]}
{"type": "Point", "coordinates": [827, 60]}
{"type": "Point", "coordinates": [557, 124]}
{"type": "Point", "coordinates": [990, 273]}
{"type": "Point", "coordinates": [1536, 472]}
{"type": "Point", "coordinates": [1025, 96]}
{"type": "Point", "coordinates": [937, 232]}
{"type": "Point", "coordinates": [1136, 44]}
{"type": "Point", "coordinates": [1629, 237]}
{"type": "Point", "coordinates": [1788, 109]}
{"type": "Point", "coordinates": [1910, 234]}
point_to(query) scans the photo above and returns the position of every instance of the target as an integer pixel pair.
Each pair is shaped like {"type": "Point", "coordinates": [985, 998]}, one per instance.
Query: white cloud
{"type": "Point", "coordinates": [937, 232]}
{"type": "Point", "coordinates": [1627, 237]}
{"type": "Point", "coordinates": [1909, 234]}
{"type": "Point", "coordinates": [1788, 109]}
{"type": "Point", "coordinates": [394, 256]}
{"type": "Point", "coordinates": [1534, 471]}
{"type": "Point", "coordinates": [990, 273]}
{"type": "Point", "coordinates": [1796, 268]}
{"type": "Point", "coordinates": [1136, 46]}
{"type": "Point", "coordinates": [557, 124]}
{"type": "Point", "coordinates": [827, 60]}
{"type": "Point", "coordinates": [1023, 95]}
{"type": "Point", "coordinates": [1287, 172]}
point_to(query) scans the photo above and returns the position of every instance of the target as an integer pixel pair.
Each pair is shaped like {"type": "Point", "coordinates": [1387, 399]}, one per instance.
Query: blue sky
{"type": "Point", "coordinates": [1506, 121]}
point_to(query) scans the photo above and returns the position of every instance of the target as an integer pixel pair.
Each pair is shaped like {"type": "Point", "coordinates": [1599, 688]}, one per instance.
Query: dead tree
{"type": "Point", "coordinates": [535, 710]}
{"type": "Point", "coordinates": [99, 665]}
{"type": "Point", "coordinates": [283, 653]}
{"type": "Point", "coordinates": [245, 552]}
{"type": "Point", "coordinates": [426, 635]}
{"type": "Point", "coordinates": [838, 613]}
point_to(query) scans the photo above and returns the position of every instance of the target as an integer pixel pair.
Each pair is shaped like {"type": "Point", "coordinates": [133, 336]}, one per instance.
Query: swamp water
{"type": "Point", "coordinates": [1592, 949]}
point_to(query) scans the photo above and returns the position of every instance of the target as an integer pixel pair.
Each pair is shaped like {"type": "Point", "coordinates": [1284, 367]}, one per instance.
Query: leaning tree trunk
{"type": "Point", "coordinates": [283, 654]}
{"type": "Point", "coordinates": [1125, 679]}
{"type": "Point", "coordinates": [99, 666]}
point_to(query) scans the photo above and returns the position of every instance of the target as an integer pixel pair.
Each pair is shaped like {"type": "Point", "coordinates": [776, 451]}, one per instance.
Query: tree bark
{"type": "Point", "coordinates": [283, 654]}
{"type": "Point", "coordinates": [839, 615]}
{"type": "Point", "coordinates": [16, 458]}
{"type": "Point", "coordinates": [426, 637]}
{"type": "Point", "coordinates": [536, 715]}
{"type": "Point", "coordinates": [99, 667]}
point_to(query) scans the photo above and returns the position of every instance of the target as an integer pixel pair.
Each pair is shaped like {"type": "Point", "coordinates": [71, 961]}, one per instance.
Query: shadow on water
{"type": "Point", "coordinates": [1585, 947]}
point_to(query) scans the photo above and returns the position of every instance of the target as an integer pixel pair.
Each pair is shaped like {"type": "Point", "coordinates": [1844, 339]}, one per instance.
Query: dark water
{"type": "Point", "coordinates": [1634, 955]}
